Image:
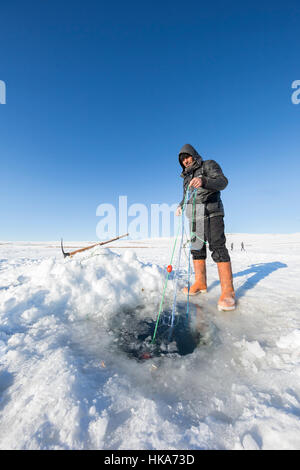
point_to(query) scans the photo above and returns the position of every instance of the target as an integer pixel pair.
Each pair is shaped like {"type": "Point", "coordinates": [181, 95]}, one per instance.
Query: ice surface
{"type": "Point", "coordinates": [69, 381]}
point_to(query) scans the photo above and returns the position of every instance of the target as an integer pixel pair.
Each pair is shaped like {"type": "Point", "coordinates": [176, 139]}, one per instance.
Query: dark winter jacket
{"type": "Point", "coordinates": [213, 181]}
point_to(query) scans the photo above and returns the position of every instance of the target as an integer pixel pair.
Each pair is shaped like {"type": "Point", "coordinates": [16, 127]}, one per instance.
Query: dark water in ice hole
{"type": "Point", "coordinates": [133, 334]}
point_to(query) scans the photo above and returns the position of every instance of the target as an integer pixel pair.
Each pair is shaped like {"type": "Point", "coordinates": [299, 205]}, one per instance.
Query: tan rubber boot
{"type": "Point", "coordinates": [227, 299]}
{"type": "Point", "coordinates": [200, 285]}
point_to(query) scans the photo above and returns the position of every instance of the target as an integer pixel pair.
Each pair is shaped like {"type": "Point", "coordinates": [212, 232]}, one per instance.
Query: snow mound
{"type": "Point", "coordinates": [95, 286]}
{"type": "Point", "coordinates": [55, 345]}
{"type": "Point", "coordinates": [66, 382]}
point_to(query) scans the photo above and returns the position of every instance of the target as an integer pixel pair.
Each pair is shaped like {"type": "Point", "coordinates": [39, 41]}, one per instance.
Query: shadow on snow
{"type": "Point", "coordinates": [256, 272]}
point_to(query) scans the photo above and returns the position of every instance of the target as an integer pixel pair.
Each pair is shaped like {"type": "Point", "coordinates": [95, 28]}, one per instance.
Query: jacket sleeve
{"type": "Point", "coordinates": [184, 191]}
{"type": "Point", "coordinates": [213, 177]}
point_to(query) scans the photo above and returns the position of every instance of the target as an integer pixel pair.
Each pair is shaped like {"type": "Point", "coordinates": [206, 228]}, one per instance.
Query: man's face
{"type": "Point", "coordinates": [187, 161]}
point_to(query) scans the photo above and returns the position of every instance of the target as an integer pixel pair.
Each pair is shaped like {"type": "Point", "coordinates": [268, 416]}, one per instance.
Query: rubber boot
{"type": "Point", "coordinates": [227, 299]}
{"type": "Point", "coordinates": [200, 285]}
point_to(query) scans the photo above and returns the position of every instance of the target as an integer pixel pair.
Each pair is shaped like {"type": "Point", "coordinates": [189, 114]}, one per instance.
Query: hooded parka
{"type": "Point", "coordinates": [213, 181]}
{"type": "Point", "coordinates": [208, 204]}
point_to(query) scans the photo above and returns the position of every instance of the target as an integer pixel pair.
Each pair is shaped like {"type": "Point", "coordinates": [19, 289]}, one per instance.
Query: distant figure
{"type": "Point", "coordinates": [231, 246]}
{"type": "Point", "coordinates": [242, 247]}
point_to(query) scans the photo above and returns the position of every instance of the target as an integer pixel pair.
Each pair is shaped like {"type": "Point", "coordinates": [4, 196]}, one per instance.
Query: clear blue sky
{"type": "Point", "coordinates": [100, 96]}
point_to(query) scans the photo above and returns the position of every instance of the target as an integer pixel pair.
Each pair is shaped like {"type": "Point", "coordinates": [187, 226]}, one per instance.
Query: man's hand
{"type": "Point", "coordinates": [178, 211]}
{"type": "Point", "coordinates": [196, 182]}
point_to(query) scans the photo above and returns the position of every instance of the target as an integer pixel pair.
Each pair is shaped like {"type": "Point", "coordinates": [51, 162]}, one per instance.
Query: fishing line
{"type": "Point", "coordinates": [188, 195]}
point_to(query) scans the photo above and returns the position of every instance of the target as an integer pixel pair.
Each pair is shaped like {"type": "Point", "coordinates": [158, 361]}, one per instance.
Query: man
{"type": "Point", "coordinates": [206, 215]}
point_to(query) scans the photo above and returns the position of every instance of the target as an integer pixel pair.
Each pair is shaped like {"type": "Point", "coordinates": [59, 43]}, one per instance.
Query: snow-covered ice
{"type": "Point", "coordinates": [66, 384]}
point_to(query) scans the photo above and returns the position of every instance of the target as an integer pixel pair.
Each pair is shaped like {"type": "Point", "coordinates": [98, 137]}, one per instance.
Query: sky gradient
{"type": "Point", "coordinates": [100, 97]}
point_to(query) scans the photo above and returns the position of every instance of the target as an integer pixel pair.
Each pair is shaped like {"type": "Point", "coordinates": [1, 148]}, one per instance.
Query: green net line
{"type": "Point", "coordinates": [172, 256]}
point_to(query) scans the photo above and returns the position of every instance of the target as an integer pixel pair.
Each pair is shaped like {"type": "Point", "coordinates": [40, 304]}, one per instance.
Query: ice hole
{"type": "Point", "coordinates": [133, 332]}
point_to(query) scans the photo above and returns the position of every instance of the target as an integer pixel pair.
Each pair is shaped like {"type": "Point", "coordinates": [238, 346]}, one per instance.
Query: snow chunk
{"type": "Point", "coordinates": [249, 443]}
{"type": "Point", "coordinates": [251, 352]}
{"type": "Point", "coordinates": [290, 341]}
{"type": "Point", "coordinates": [251, 348]}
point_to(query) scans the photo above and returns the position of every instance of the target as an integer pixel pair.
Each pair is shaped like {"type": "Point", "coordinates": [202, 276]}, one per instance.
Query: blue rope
{"type": "Point", "coordinates": [189, 276]}
{"type": "Point", "coordinates": [166, 280]}
{"type": "Point", "coordinates": [190, 194]}
{"type": "Point", "coordinates": [189, 265]}
{"type": "Point", "coordinates": [187, 197]}
{"type": "Point", "coordinates": [178, 267]}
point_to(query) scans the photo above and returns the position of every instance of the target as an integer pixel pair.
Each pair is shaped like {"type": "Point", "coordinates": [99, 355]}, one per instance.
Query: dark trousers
{"type": "Point", "coordinates": [214, 234]}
